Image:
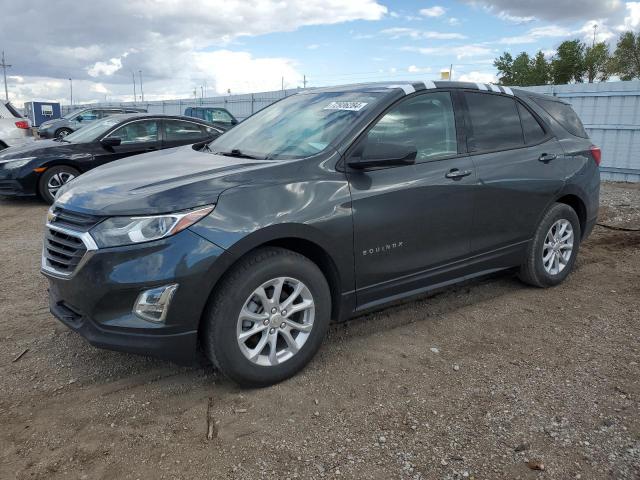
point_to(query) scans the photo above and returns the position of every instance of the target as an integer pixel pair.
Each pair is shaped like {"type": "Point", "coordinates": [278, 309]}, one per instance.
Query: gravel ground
{"type": "Point", "coordinates": [488, 380]}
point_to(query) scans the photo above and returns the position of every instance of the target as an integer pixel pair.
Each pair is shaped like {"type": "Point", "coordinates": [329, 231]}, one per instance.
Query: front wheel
{"type": "Point", "coordinates": [52, 179]}
{"type": "Point", "coordinates": [62, 132]}
{"type": "Point", "coordinates": [267, 318]}
{"type": "Point", "coordinates": [552, 253]}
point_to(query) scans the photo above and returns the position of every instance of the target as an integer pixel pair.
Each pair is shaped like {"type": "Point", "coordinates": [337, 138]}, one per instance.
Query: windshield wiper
{"type": "Point", "coordinates": [238, 154]}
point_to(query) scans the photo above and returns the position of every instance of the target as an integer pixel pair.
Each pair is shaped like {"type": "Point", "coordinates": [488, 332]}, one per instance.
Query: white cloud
{"type": "Point", "coordinates": [105, 68]}
{"type": "Point", "coordinates": [313, 46]}
{"type": "Point", "coordinates": [453, 21]}
{"type": "Point", "coordinates": [536, 34]}
{"type": "Point", "coordinates": [482, 77]}
{"type": "Point", "coordinates": [459, 51]}
{"type": "Point", "coordinates": [99, 88]}
{"type": "Point", "coordinates": [632, 19]}
{"type": "Point", "coordinates": [514, 18]}
{"type": "Point", "coordinates": [400, 32]}
{"type": "Point", "coordinates": [435, 11]}
{"type": "Point", "coordinates": [416, 69]}
{"type": "Point", "coordinates": [553, 10]}
{"type": "Point", "coordinates": [166, 34]}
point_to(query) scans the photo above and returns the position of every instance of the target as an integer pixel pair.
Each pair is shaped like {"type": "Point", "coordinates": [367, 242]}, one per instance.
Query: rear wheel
{"type": "Point", "coordinates": [553, 250]}
{"type": "Point", "coordinates": [54, 178]}
{"type": "Point", "coordinates": [267, 318]}
{"type": "Point", "coordinates": [62, 132]}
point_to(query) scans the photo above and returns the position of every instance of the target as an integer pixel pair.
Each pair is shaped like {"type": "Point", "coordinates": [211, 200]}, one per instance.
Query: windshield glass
{"type": "Point", "coordinates": [70, 115]}
{"type": "Point", "coordinates": [93, 131]}
{"type": "Point", "coordinates": [296, 127]}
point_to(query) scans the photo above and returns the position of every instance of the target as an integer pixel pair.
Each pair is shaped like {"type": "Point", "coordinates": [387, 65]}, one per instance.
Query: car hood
{"type": "Point", "coordinates": [39, 148]}
{"type": "Point", "coordinates": [158, 182]}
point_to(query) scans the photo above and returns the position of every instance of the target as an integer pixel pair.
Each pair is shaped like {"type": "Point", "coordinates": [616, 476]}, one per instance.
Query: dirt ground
{"type": "Point", "coordinates": [488, 380]}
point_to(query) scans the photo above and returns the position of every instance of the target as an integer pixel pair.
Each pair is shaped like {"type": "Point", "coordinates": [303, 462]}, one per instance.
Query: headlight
{"type": "Point", "coordinates": [16, 163]}
{"type": "Point", "coordinates": [118, 231]}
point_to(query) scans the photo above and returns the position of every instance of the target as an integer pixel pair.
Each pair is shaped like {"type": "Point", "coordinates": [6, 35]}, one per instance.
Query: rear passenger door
{"type": "Point", "coordinates": [183, 132]}
{"type": "Point", "coordinates": [520, 169]}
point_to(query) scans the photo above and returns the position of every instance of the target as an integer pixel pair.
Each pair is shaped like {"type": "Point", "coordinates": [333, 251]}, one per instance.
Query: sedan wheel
{"type": "Point", "coordinates": [58, 180]}
{"type": "Point", "coordinates": [558, 246]}
{"type": "Point", "coordinates": [53, 179]}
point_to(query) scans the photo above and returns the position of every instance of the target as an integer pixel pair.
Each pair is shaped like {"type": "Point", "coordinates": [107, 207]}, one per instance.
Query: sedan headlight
{"type": "Point", "coordinates": [116, 231]}
{"type": "Point", "coordinates": [16, 163]}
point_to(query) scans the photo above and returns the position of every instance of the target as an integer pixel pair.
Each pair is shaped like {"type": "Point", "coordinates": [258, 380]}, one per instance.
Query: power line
{"type": "Point", "coordinates": [4, 73]}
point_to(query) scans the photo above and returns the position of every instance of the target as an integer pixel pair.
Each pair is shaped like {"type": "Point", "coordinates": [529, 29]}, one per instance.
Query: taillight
{"type": "Point", "coordinates": [596, 153]}
{"type": "Point", "coordinates": [23, 124]}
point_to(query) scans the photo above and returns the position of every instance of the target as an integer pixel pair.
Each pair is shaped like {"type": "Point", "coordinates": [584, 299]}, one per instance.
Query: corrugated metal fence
{"type": "Point", "coordinates": [610, 112]}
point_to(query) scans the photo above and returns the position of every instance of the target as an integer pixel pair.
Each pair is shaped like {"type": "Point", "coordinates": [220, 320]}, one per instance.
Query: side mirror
{"type": "Point", "coordinates": [383, 155]}
{"type": "Point", "coordinates": [111, 142]}
{"type": "Point", "coordinates": [234, 122]}
{"type": "Point", "coordinates": [79, 118]}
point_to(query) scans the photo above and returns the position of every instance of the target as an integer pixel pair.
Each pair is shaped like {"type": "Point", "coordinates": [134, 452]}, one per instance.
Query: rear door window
{"type": "Point", "coordinates": [495, 123]}
{"type": "Point", "coordinates": [177, 130]}
{"type": "Point", "coordinates": [564, 115]}
{"type": "Point", "coordinates": [533, 131]}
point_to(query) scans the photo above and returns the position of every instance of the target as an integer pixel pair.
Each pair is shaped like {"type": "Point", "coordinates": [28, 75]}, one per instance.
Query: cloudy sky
{"type": "Point", "coordinates": [183, 46]}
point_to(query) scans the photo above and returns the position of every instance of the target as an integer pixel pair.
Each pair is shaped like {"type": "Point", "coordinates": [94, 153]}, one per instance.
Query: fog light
{"type": "Point", "coordinates": [153, 305]}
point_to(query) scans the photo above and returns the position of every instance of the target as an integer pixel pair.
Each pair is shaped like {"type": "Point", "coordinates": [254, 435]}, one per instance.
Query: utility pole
{"type": "Point", "coordinates": [595, 28]}
{"type": "Point", "coordinates": [4, 72]}
{"type": "Point", "coordinates": [141, 91]}
{"type": "Point", "coordinates": [450, 71]}
{"type": "Point", "coordinates": [70, 92]}
{"type": "Point", "coordinates": [282, 83]}
{"type": "Point", "coordinates": [135, 94]}
{"type": "Point", "coordinates": [201, 93]}
{"type": "Point", "coordinates": [304, 81]}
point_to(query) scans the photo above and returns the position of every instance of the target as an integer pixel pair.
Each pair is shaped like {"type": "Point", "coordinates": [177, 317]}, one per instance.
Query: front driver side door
{"type": "Point", "coordinates": [412, 223]}
{"type": "Point", "coordinates": [138, 136]}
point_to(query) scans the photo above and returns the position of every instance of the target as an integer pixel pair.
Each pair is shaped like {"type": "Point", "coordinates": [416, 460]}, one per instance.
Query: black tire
{"type": "Point", "coordinates": [62, 132]}
{"type": "Point", "coordinates": [43, 182]}
{"type": "Point", "coordinates": [219, 336]}
{"type": "Point", "coordinates": [532, 271]}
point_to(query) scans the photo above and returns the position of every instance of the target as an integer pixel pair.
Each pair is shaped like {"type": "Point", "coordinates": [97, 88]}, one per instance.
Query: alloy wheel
{"type": "Point", "coordinates": [57, 180]}
{"type": "Point", "coordinates": [275, 321]}
{"type": "Point", "coordinates": [558, 247]}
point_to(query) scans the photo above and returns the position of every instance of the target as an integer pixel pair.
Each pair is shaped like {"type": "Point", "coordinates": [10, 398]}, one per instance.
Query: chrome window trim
{"type": "Point", "coordinates": [86, 239]}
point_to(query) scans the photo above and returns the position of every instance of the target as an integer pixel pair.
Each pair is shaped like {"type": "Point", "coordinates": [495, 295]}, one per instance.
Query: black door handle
{"type": "Point", "coordinates": [547, 157]}
{"type": "Point", "coordinates": [456, 174]}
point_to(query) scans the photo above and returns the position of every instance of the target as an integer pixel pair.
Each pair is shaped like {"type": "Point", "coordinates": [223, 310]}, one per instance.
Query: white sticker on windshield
{"type": "Point", "coordinates": [352, 106]}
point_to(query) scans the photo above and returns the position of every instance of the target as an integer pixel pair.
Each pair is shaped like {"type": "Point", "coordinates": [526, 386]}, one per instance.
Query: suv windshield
{"type": "Point", "coordinates": [93, 131]}
{"type": "Point", "coordinates": [296, 127]}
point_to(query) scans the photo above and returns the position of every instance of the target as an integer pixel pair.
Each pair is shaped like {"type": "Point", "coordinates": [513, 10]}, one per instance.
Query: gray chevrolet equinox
{"type": "Point", "coordinates": [326, 204]}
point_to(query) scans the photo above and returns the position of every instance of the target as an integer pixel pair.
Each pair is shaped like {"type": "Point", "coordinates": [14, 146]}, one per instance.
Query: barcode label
{"type": "Point", "coordinates": [351, 106]}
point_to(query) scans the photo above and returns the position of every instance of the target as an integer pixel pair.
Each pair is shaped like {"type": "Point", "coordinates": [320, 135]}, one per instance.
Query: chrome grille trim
{"type": "Point", "coordinates": [64, 248]}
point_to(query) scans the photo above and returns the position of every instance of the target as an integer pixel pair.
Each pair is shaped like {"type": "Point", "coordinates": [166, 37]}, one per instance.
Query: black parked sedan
{"type": "Point", "coordinates": [42, 167]}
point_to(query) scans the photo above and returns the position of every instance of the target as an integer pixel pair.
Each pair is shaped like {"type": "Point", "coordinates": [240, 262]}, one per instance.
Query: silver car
{"type": "Point", "coordinates": [14, 128]}
{"type": "Point", "coordinates": [61, 127]}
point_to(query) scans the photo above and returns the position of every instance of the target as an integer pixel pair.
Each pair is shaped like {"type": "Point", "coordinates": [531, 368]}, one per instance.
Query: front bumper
{"type": "Point", "coordinates": [20, 182]}
{"type": "Point", "coordinates": [97, 300]}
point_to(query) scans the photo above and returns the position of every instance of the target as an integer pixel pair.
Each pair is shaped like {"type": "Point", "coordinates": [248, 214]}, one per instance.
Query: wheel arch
{"type": "Point", "coordinates": [578, 205]}
{"type": "Point", "coordinates": [315, 251]}
{"type": "Point", "coordinates": [49, 164]}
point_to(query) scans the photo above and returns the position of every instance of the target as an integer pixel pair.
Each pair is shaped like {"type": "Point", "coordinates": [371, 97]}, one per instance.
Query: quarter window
{"type": "Point", "coordinates": [495, 123]}
{"type": "Point", "coordinates": [137, 132]}
{"type": "Point", "coordinates": [425, 121]}
{"type": "Point", "coordinates": [533, 132]}
{"type": "Point", "coordinates": [178, 130]}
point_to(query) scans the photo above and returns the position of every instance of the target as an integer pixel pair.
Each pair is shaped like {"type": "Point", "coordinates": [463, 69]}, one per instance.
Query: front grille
{"type": "Point", "coordinates": [63, 251]}
{"type": "Point", "coordinates": [76, 221]}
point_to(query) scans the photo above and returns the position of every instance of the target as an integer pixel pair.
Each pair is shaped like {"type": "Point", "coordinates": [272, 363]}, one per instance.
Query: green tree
{"type": "Point", "coordinates": [504, 65]}
{"type": "Point", "coordinates": [568, 63]}
{"type": "Point", "coordinates": [626, 58]}
{"type": "Point", "coordinates": [540, 70]}
{"type": "Point", "coordinates": [521, 69]}
{"type": "Point", "coordinates": [597, 62]}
